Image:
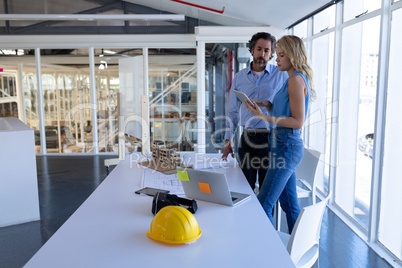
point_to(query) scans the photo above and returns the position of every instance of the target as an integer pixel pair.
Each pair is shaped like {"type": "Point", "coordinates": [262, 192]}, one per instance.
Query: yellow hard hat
{"type": "Point", "coordinates": [174, 225]}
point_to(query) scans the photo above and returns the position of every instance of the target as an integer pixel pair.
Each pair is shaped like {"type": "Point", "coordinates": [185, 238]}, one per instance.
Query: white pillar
{"type": "Point", "coordinates": [145, 106]}
{"type": "Point", "coordinates": [40, 102]}
{"type": "Point", "coordinates": [20, 93]}
{"type": "Point", "coordinates": [201, 146]}
{"type": "Point", "coordinates": [93, 100]}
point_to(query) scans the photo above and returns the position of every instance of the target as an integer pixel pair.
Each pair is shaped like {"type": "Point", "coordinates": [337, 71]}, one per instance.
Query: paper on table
{"type": "Point", "coordinates": [155, 179]}
{"type": "Point", "coordinates": [211, 162]}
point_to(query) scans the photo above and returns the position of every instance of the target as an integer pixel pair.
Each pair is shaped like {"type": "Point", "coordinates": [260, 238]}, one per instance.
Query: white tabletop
{"type": "Point", "coordinates": [109, 230]}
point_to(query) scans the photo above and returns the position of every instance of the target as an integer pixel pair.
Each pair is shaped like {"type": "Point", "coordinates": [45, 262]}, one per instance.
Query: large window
{"type": "Point", "coordinates": [300, 29]}
{"type": "Point", "coordinates": [364, 165]}
{"type": "Point", "coordinates": [355, 9]}
{"type": "Point", "coordinates": [319, 122]}
{"type": "Point", "coordinates": [356, 117]}
{"type": "Point", "coordinates": [390, 231]}
{"type": "Point", "coordinates": [358, 166]}
{"type": "Point", "coordinates": [324, 20]}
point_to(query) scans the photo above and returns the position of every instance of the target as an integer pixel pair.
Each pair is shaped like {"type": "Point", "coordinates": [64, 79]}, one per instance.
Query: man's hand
{"type": "Point", "coordinates": [227, 149]}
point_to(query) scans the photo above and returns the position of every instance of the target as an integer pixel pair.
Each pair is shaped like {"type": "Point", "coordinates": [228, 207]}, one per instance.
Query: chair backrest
{"type": "Point", "coordinates": [306, 170]}
{"type": "Point", "coordinates": [305, 236]}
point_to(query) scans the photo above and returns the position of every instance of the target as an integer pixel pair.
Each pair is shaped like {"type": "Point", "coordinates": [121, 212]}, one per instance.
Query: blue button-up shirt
{"type": "Point", "coordinates": [263, 88]}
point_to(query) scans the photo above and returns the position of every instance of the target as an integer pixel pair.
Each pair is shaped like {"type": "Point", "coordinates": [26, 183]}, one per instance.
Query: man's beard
{"type": "Point", "coordinates": [260, 62]}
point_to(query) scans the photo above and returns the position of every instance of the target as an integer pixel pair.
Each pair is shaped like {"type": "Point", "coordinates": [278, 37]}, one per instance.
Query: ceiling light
{"type": "Point", "coordinates": [103, 65]}
{"type": "Point", "coordinates": [147, 17]}
{"type": "Point", "coordinates": [109, 51]}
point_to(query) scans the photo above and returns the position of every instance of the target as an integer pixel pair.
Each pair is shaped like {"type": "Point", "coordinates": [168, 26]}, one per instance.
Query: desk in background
{"type": "Point", "coordinates": [109, 230]}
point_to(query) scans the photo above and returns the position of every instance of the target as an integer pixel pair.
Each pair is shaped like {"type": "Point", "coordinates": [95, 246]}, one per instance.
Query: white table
{"type": "Point", "coordinates": [109, 230]}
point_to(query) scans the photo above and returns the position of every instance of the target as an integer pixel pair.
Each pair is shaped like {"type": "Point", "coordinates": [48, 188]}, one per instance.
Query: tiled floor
{"type": "Point", "coordinates": [65, 183]}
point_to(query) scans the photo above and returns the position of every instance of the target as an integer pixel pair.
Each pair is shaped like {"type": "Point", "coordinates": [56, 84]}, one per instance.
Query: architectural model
{"type": "Point", "coordinates": [165, 158]}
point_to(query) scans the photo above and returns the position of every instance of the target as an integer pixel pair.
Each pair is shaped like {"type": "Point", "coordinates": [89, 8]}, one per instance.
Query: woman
{"type": "Point", "coordinates": [287, 114]}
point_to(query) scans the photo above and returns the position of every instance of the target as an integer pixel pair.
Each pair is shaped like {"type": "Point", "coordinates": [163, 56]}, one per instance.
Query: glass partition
{"type": "Point", "coordinates": [173, 101]}
{"type": "Point", "coordinates": [223, 61]}
{"type": "Point", "coordinates": [30, 89]}
{"type": "Point", "coordinates": [8, 109]}
{"type": "Point", "coordinates": [67, 104]}
{"type": "Point", "coordinates": [8, 88]}
{"type": "Point", "coordinates": [67, 107]}
{"type": "Point", "coordinates": [8, 94]}
{"type": "Point", "coordinates": [107, 96]}
{"type": "Point", "coordinates": [31, 106]}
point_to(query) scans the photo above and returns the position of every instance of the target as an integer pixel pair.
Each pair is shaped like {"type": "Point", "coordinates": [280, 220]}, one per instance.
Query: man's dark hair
{"type": "Point", "coordinates": [265, 36]}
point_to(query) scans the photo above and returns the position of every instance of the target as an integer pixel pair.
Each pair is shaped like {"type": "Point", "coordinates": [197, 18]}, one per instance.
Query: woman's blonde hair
{"type": "Point", "coordinates": [294, 49]}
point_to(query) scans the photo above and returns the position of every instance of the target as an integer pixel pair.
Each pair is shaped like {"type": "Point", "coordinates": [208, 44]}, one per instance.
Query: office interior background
{"type": "Point", "coordinates": [69, 81]}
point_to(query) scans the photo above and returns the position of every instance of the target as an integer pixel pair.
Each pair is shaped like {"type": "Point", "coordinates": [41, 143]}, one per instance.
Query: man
{"type": "Point", "coordinates": [259, 81]}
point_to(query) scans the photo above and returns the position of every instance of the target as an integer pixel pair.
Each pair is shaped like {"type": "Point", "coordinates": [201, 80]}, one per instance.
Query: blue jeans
{"type": "Point", "coordinates": [286, 149]}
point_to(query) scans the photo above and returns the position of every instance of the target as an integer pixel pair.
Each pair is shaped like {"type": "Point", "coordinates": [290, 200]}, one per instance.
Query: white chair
{"type": "Point", "coordinates": [303, 243]}
{"type": "Point", "coordinates": [110, 162]}
{"type": "Point", "coordinates": [305, 175]}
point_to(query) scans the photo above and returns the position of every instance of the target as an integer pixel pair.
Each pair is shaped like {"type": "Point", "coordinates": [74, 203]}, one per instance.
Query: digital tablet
{"type": "Point", "coordinates": [150, 191]}
{"type": "Point", "coordinates": [242, 96]}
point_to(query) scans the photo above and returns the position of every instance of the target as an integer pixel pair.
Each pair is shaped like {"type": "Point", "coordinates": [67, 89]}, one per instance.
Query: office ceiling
{"type": "Point", "coordinates": [274, 13]}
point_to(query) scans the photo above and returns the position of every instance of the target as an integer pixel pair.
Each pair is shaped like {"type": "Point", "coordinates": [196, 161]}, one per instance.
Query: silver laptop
{"type": "Point", "coordinates": [211, 187]}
